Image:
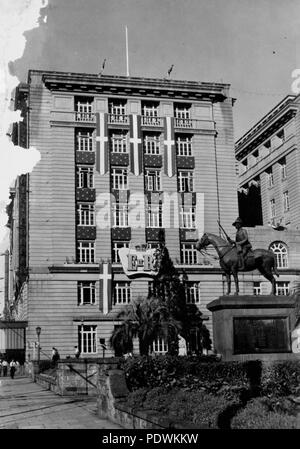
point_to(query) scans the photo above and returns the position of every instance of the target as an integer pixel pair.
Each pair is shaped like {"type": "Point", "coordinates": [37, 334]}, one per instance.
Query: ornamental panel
{"type": "Point", "coordinates": [153, 160]}
{"type": "Point", "coordinates": [121, 234]}
{"type": "Point", "coordinates": [187, 162]}
{"type": "Point", "coordinates": [85, 194]}
{"type": "Point", "coordinates": [85, 157]}
{"type": "Point", "coordinates": [119, 159]}
{"type": "Point", "coordinates": [86, 232]}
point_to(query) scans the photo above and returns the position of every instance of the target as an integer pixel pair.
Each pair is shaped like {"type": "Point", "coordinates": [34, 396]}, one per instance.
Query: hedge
{"type": "Point", "coordinates": [210, 375]}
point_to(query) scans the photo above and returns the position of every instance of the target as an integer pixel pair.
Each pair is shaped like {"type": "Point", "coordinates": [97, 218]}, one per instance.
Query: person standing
{"type": "Point", "coordinates": [0, 367]}
{"type": "Point", "coordinates": [77, 352]}
{"type": "Point", "coordinates": [12, 368]}
{"type": "Point", "coordinates": [4, 367]}
{"type": "Point", "coordinates": [55, 356]}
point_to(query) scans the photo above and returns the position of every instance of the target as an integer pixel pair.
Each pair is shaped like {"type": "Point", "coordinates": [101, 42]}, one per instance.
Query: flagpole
{"type": "Point", "coordinates": [127, 56]}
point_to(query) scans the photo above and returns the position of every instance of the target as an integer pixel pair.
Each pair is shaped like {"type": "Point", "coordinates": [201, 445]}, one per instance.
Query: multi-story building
{"type": "Point", "coordinates": [269, 185]}
{"type": "Point", "coordinates": [125, 162]}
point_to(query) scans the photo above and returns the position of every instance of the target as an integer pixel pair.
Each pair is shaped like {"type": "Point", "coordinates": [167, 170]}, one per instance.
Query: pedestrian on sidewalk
{"type": "Point", "coordinates": [4, 367]}
{"type": "Point", "coordinates": [0, 367]}
{"type": "Point", "coordinates": [55, 357]}
{"type": "Point", "coordinates": [12, 368]}
{"type": "Point", "coordinates": [18, 367]}
{"type": "Point", "coordinates": [77, 352]}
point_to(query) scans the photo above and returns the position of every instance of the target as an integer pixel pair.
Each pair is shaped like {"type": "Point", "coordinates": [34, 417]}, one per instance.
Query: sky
{"type": "Point", "coordinates": [251, 44]}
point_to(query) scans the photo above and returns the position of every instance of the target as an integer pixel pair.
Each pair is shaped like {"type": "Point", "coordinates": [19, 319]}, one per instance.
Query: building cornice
{"type": "Point", "coordinates": [133, 86]}
{"type": "Point", "coordinates": [269, 124]}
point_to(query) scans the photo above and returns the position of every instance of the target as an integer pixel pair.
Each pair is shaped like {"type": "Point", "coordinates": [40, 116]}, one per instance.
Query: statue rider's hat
{"type": "Point", "coordinates": [237, 221]}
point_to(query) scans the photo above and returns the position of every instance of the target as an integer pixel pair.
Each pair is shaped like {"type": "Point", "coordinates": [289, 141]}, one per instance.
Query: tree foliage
{"type": "Point", "coordinates": [164, 313]}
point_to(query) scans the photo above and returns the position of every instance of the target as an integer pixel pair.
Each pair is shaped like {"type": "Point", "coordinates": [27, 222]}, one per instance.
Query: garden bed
{"type": "Point", "coordinates": [217, 395]}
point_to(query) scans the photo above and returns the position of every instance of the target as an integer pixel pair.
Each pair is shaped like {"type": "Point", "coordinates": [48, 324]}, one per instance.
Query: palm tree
{"type": "Point", "coordinates": [145, 319]}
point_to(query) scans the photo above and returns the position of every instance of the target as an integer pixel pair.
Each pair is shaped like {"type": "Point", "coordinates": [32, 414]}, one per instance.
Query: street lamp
{"type": "Point", "coordinates": [38, 333]}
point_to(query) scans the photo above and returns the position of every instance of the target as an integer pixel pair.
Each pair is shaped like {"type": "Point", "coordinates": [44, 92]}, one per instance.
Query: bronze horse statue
{"type": "Point", "coordinates": [259, 259]}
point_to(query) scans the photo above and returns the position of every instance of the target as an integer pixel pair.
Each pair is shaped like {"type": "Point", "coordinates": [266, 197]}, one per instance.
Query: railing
{"type": "Point", "coordinates": [151, 121]}
{"type": "Point", "coordinates": [184, 123]}
{"type": "Point", "coordinates": [85, 116]}
{"type": "Point", "coordinates": [118, 119]}
{"type": "Point", "coordinates": [188, 123]}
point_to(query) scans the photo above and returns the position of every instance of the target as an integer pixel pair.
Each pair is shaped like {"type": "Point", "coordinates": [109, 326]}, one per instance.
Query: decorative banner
{"type": "Point", "coordinates": [140, 261]}
{"type": "Point", "coordinates": [102, 156]}
{"type": "Point", "coordinates": [169, 147]}
{"type": "Point", "coordinates": [105, 290]}
{"type": "Point", "coordinates": [136, 153]}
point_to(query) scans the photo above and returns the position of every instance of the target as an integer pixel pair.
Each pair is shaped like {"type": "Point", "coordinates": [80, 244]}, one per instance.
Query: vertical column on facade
{"type": "Point", "coordinates": [169, 184]}
{"type": "Point", "coordinates": [102, 186]}
{"type": "Point", "coordinates": [136, 176]}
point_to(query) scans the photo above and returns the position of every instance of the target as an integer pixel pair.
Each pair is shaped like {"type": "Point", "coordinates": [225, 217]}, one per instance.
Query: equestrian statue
{"type": "Point", "coordinates": [238, 255]}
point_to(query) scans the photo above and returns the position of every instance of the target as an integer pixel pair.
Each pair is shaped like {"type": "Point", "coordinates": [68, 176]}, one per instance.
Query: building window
{"type": "Point", "coordinates": [120, 215]}
{"type": "Point", "coordinates": [154, 216]}
{"type": "Point", "coordinates": [282, 288]}
{"type": "Point", "coordinates": [184, 146]}
{"type": "Point", "coordinates": [119, 178]}
{"type": "Point", "coordinates": [152, 143]}
{"type": "Point", "coordinates": [182, 115]}
{"type": "Point", "coordinates": [118, 142]}
{"type": "Point", "coordinates": [270, 178]}
{"type": "Point", "coordinates": [188, 254]}
{"type": "Point", "coordinates": [86, 292]}
{"type": "Point", "coordinates": [150, 114]}
{"type": "Point", "coordinates": [185, 181]}
{"type": "Point", "coordinates": [84, 109]}
{"type": "Point", "coordinates": [257, 288]}
{"type": "Point", "coordinates": [286, 202]}
{"type": "Point", "coordinates": [283, 169]}
{"type": "Point", "coordinates": [86, 252]}
{"type": "Point", "coordinates": [86, 215]}
{"type": "Point", "coordinates": [150, 109]}
{"type": "Point", "coordinates": [182, 111]}
{"type": "Point", "coordinates": [115, 250]}
{"type": "Point", "coordinates": [87, 339]}
{"type": "Point", "coordinates": [122, 293]}
{"type": "Point", "coordinates": [159, 346]}
{"type": "Point", "coordinates": [280, 251]}
{"type": "Point", "coordinates": [117, 107]}
{"type": "Point", "coordinates": [152, 180]}
{"type": "Point", "coordinates": [193, 292]}
{"type": "Point", "coordinates": [84, 140]}
{"type": "Point", "coordinates": [272, 208]}
{"type": "Point", "coordinates": [85, 177]}
{"type": "Point", "coordinates": [188, 217]}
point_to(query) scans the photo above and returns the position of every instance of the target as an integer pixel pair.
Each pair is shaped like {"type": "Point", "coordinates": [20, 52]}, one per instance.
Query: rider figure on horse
{"type": "Point", "coordinates": [242, 243]}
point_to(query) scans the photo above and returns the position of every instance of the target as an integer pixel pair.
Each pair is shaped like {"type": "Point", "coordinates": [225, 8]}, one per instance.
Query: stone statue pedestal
{"type": "Point", "coordinates": [253, 327]}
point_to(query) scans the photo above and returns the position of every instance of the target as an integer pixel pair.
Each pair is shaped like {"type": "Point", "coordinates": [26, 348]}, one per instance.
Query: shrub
{"type": "Point", "coordinates": [197, 407]}
{"type": "Point", "coordinates": [257, 416]}
{"type": "Point", "coordinates": [281, 378]}
{"type": "Point", "coordinates": [207, 374]}
{"type": "Point", "coordinates": [189, 372]}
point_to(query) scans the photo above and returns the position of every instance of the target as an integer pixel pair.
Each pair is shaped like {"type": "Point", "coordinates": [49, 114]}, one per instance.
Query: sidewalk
{"type": "Point", "coordinates": [25, 405]}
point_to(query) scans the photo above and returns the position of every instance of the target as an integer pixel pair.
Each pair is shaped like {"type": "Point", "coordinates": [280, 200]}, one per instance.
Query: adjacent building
{"type": "Point", "coordinates": [125, 164]}
{"type": "Point", "coordinates": [268, 165]}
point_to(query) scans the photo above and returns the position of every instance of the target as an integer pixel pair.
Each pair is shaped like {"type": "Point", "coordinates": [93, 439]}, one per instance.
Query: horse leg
{"type": "Point", "coordinates": [236, 281]}
{"type": "Point", "coordinates": [269, 275]}
{"type": "Point", "coordinates": [228, 279]}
